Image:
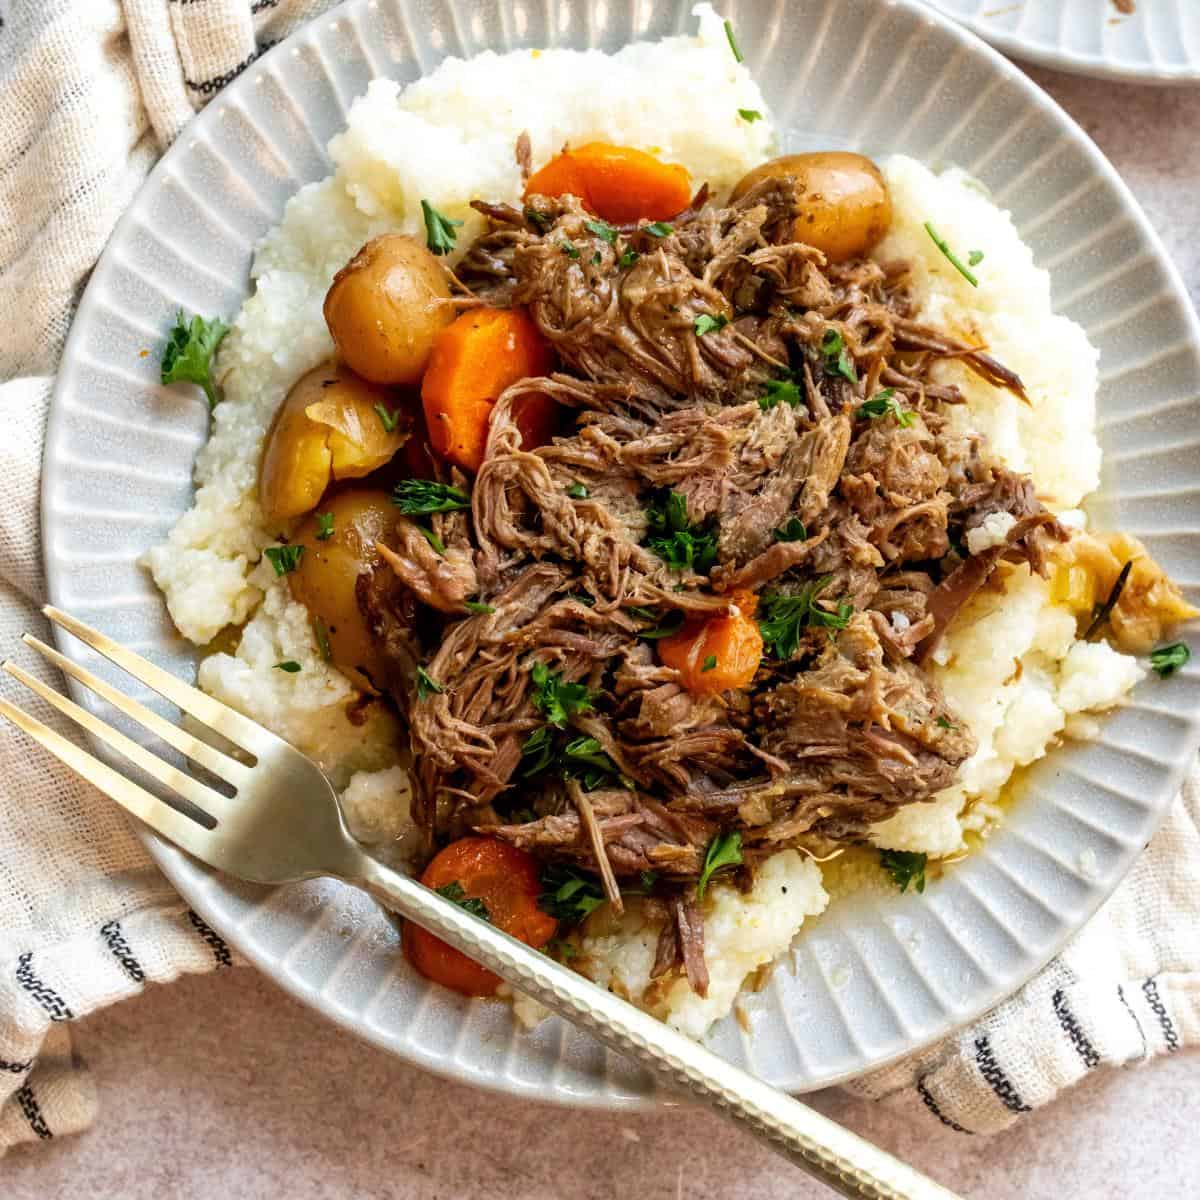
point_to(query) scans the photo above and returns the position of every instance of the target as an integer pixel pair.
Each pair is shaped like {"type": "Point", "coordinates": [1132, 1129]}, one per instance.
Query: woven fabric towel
{"type": "Point", "coordinates": [91, 91]}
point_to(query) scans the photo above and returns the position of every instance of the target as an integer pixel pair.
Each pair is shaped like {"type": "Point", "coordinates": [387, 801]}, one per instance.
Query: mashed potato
{"type": "Point", "coordinates": [1010, 666]}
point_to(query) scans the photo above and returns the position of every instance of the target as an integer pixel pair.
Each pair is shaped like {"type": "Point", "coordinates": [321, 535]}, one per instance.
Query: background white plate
{"type": "Point", "coordinates": [1157, 43]}
{"type": "Point", "coordinates": [871, 980]}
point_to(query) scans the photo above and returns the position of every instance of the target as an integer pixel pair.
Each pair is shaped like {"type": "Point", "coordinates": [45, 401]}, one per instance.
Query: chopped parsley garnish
{"type": "Point", "coordinates": [584, 758]}
{"type": "Point", "coordinates": [945, 723]}
{"type": "Point", "coordinates": [680, 544]}
{"type": "Point", "coordinates": [439, 229]}
{"type": "Point", "coordinates": [780, 391]}
{"type": "Point", "coordinates": [956, 262]}
{"type": "Point", "coordinates": [749, 115]}
{"type": "Point", "coordinates": [187, 356]}
{"type": "Point", "coordinates": [577, 491]}
{"type": "Point", "coordinates": [784, 617]}
{"type": "Point", "coordinates": [290, 667]}
{"type": "Point", "coordinates": [284, 558]}
{"type": "Point", "coordinates": [658, 229]}
{"type": "Point", "coordinates": [705, 323]}
{"type": "Point", "coordinates": [432, 538]}
{"type": "Point", "coordinates": [597, 259]}
{"type": "Point", "coordinates": [668, 627]}
{"type": "Point", "coordinates": [421, 497]}
{"type": "Point", "coordinates": [1103, 611]}
{"type": "Point", "coordinates": [388, 418]}
{"type": "Point", "coordinates": [324, 526]}
{"type": "Point", "coordinates": [905, 867]}
{"type": "Point", "coordinates": [837, 358]}
{"type": "Point", "coordinates": [737, 50]}
{"type": "Point", "coordinates": [555, 700]}
{"type": "Point", "coordinates": [427, 685]}
{"type": "Point", "coordinates": [709, 663]}
{"type": "Point", "coordinates": [628, 258]}
{"type": "Point", "coordinates": [570, 249]}
{"type": "Point", "coordinates": [883, 403]}
{"type": "Point", "coordinates": [541, 220]}
{"type": "Point", "coordinates": [791, 530]}
{"type": "Point", "coordinates": [724, 851]}
{"type": "Point", "coordinates": [1166, 660]}
{"type": "Point", "coordinates": [570, 895]}
{"type": "Point", "coordinates": [974, 258]}
{"type": "Point", "coordinates": [455, 893]}
{"type": "Point", "coordinates": [539, 749]}
{"type": "Point", "coordinates": [602, 229]}
{"type": "Point", "coordinates": [474, 606]}
{"type": "Point", "coordinates": [321, 633]}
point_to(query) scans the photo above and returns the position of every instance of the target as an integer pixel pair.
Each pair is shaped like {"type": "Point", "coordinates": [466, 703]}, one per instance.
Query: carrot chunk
{"type": "Point", "coordinates": [473, 361]}
{"type": "Point", "coordinates": [617, 183]}
{"type": "Point", "coordinates": [491, 878]}
{"type": "Point", "coordinates": [719, 653]}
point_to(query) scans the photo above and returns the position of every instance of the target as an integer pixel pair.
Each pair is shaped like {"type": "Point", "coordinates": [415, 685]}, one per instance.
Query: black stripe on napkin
{"type": "Point", "coordinates": [1070, 1026]}
{"type": "Point", "coordinates": [1150, 991]}
{"type": "Point", "coordinates": [208, 87]}
{"type": "Point", "coordinates": [114, 939]}
{"type": "Point", "coordinates": [33, 1112]}
{"type": "Point", "coordinates": [55, 1006]}
{"type": "Point", "coordinates": [931, 1104]}
{"type": "Point", "coordinates": [214, 941]}
{"type": "Point", "coordinates": [15, 1068]}
{"type": "Point", "coordinates": [1000, 1083]}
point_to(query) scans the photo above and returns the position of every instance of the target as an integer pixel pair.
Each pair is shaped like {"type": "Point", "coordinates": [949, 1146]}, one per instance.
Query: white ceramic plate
{"type": "Point", "coordinates": [871, 980]}
{"type": "Point", "coordinates": [1157, 43]}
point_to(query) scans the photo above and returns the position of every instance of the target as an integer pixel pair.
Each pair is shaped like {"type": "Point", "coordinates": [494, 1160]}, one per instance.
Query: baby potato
{"type": "Point", "coordinates": [329, 427]}
{"type": "Point", "coordinates": [385, 306]}
{"type": "Point", "coordinates": [845, 208]}
{"type": "Point", "coordinates": [324, 581]}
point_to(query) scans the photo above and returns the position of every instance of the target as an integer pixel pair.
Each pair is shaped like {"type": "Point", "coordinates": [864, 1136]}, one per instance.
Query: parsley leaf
{"type": "Point", "coordinates": [791, 530]}
{"type": "Point", "coordinates": [284, 558]}
{"type": "Point", "coordinates": [597, 259]}
{"type": "Point", "coordinates": [427, 685]}
{"type": "Point", "coordinates": [420, 497]}
{"type": "Point", "coordinates": [974, 258]}
{"type": "Point", "coordinates": [584, 758]}
{"type": "Point", "coordinates": [290, 667]}
{"type": "Point", "coordinates": [602, 229]}
{"type": "Point", "coordinates": [432, 538]}
{"type": "Point", "coordinates": [570, 249]}
{"type": "Point", "coordinates": [577, 491]}
{"type": "Point", "coordinates": [945, 723]}
{"type": "Point", "coordinates": [749, 115]}
{"type": "Point", "coordinates": [883, 403]}
{"type": "Point", "coordinates": [474, 606]}
{"type": "Point", "coordinates": [680, 544]}
{"type": "Point", "coordinates": [705, 323]}
{"type": "Point", "coordinates": [658, 229]}
{"type": "Point", "coordinates": [324, 526]}
{"type": "Point", "coordinates": [785, 616]}
{"type": "Point", "coordinates": [670, 626]}
{"type": "Point", "coordinates": [439, 229]}
{"type": "Point", "coordinates": [956, 262]}
{"type": "Point", "coordinates": [725, 850]}
{"type": "Point", "coordinates": [455, 893]}
{"type": "Point", "coordinates": [628, 258]}
{"type": "Point", "coordinates": [539, 749]}
{"type": "Point", "coordinates": [538, 219]}
{"type": "Point", "coordinates": [570, 895]}
{"type": "Point", "coordinates": [1166, 660]}
{"type": "Point", "coordinates": [387, 417]}
{"type": "Point", "coordinates": [737, 50]}
{"type": "Point", "coordinates": [837, 358]}
{"type": "Point", "coordinates": [905, 867]}
{"type": "Point", "coordinates": [187, 356]}
{"type": "Point", "coordinates": [321, 633]}
{"type": "Point", "coordinates": [780, 391]}
{"type": "Point", "coordinates": [709, 663]}
{"type": "Point", "coordinates": [555, 700]}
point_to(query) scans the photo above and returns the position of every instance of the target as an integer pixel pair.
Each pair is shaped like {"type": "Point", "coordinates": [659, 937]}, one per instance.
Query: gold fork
{"type": "Point", "coordinates": [282, 823]}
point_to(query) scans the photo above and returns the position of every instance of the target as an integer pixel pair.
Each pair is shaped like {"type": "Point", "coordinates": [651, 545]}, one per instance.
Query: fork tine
{"type": "Point", "coordinates": [237, 728]}
{"type": "Point", "coordinates": [199, 751]}
{"type": "Point", "coordinates": [192, 790]}
{"type": "Point", "coordinates": [174, 826]}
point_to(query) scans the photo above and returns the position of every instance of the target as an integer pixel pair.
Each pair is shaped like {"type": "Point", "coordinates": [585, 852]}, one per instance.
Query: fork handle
{"type": "Point", "coordinates": [842, 1160]}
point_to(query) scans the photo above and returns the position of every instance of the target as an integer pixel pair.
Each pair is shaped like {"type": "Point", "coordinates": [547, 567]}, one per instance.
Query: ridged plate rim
{"type": "Point", "coordinates": [569, 1069]}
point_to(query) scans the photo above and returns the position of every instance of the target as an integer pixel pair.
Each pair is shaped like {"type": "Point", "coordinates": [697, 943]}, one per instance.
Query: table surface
{"type": "Point", "coordinates": [222, 1085]}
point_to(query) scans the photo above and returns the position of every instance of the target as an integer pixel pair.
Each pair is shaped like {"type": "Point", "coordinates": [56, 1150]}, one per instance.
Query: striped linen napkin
{"type": "Point", "coordinates": [91, 91]}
